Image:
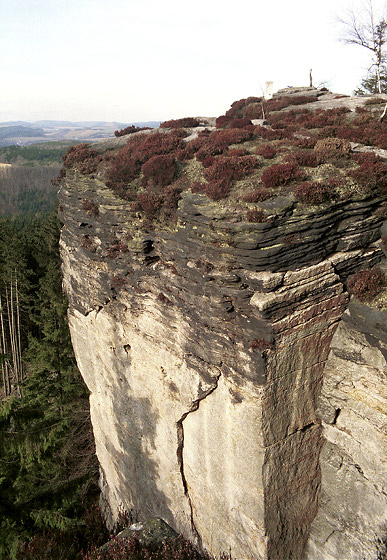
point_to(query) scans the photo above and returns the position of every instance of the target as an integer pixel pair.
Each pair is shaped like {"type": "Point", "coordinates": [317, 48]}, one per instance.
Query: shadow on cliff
{"type": "Point", "coordinates": [136, 471]}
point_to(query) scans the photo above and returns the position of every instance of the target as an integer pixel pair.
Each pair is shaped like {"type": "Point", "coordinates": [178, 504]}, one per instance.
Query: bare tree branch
{"type": "Point", "coordinates": [368, 32]}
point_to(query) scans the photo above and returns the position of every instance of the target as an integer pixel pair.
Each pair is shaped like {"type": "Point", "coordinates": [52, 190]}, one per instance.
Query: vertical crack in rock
{"type": "Point", "coordinates": [180, 451]}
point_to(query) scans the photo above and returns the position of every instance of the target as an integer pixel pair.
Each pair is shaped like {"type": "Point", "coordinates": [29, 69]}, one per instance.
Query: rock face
{"type": "Point", "coordinates": [352, 518]}
{"type": "Point", "coordinates": [204, 348]}
{"type": "Point", "coordinates": [237, 392]}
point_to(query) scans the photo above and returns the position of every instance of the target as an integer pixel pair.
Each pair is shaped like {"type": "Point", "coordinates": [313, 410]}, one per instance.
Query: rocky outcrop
{"type": "Point", "coordinates": [204, 346]}
{"type": "Point", "coordinates": [352, 519]}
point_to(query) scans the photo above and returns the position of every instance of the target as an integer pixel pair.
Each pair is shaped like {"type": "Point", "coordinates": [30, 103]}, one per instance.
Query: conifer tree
{"type": "Point", "coordinates": [47, 459]}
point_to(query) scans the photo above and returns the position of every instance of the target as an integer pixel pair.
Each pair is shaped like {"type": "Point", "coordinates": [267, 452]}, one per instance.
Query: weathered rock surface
{"type": "Point", "coordinates": [204, 348]}
{"type": "Point", "coordinates": [352, 519]}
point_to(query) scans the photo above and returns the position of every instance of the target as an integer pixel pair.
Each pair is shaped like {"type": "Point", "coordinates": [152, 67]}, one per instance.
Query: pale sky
{"type": "Point", "coordinates": [139, 60]}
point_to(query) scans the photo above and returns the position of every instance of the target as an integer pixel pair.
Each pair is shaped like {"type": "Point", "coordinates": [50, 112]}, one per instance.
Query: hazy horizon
{"type": "Point", "coordinates": [137, 61]}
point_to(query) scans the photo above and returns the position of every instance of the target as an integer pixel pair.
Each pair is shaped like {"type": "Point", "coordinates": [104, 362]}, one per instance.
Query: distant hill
{"type": "Point", "coordinates": [76, 124]}
{"type": "Point", "coordinates": [23, 133]}
{"type": "Point", "coordinates": [20, 131]}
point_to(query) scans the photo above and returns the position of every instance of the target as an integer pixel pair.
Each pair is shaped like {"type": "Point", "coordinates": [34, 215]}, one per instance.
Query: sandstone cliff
{"type": "Point", "coordinates": [234, 392]}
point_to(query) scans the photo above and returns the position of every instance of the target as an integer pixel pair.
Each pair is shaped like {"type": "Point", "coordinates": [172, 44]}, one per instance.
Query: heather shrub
{"type": "Point", "coordinates": [260, 344]}
{"type": "Point", "coordinates": [371, 176]}
{"type": "Point", "coordinates": [226, 137]}
{"type": "Point", "coordinates": [197, 187]}
{"type": "Point", "coordinates": [240, 123]}
{"type": "Point", "coordinates": [306, 143]}
{"type": "Point", "coordinates": [223, 121]}
{"type": "Point", "coordinates": [81, 157]}
{"type": "Point", "coordinates": [254, 111]}
{"type": "Point", "coordinates": [271, 134]}
{"type": "Point", "coordinates": [373, 134]}
{"type": "Point", "coordinates": [219, 140]}
{"type": "Point", "coordinates": [185, 122]}
{"type": "Point", "coordinates": [313, 192]}
{"type": "Point", "coordinates": [230, 169]}
{"type": "Point", "coordinates": [303, 157]}
{"type": "Point", "coordinates": [149, 203]}
{"type": "Point", "coordinates": [255, 216]}
{"type": "Point", "coordinates": [366, 157]}
{"type": "Point", "coordinates": [331, 149]}
{"type": "Point", "coordinates": [159, 170]}
{"type": "Point", "coordinates": [130, 130]}
{"type": "Point", "coordinates": [171, 196]}
{"type": "Point", "coordinates": [131, 549]}
{"type": "Point", "coordinates": [322, 118]}
{"type": "Point", "coordinates": [207, 151]}
{"type": "Point", "coordinates": [278, 103]}
{"type": "Point", "coordinates": [88, 244]}
{"type": "Point", "coordinates": [154, 204]}
{"type": "Point", "coordinates": [157, 144]}
{"type": "Point", "coordinates": [208, 161]}
{"type": "Point", "coordinates": [266, 151]}
{"type": "Point", "coordinates": [259, 195]}
{"type": "Point", "coordinates": [366, 284]}
{"type": "Point", "coordinates": [77, 153]}
{"type": "Point", "coordinates": [230, 122]}
{"type": "Point", "coordinates": [304, 119]}
{"type": "Point", "coordinates": [238, 108]}
{"type": "Point", "coordinates": [90, 207]}
{"type": "Point", "coordinates": [126, 164]}
{"type": "Point", "coordinates": [124, 167]}
{"type": "Point", "coordinates": [116, 248]}
{"type": "Point", "coordinates": [281, 174]}
{"type": "Point", "coordinates": [216, 190]}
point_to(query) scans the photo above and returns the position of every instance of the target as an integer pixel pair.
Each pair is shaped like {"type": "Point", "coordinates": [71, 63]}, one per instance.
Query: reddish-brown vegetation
{"type": "Point", "coordinates": [197, 187]}
{"type": "Point", "coordinates": [330, 149]}
{"type": "Point", "coordinates": [306, 143]}
{"type": "Point", "coordinates": [118, 282]}
{"type": "Point", "coordinates": [116, 248]}
{"type": "Point", "coordinates": [259, 195]}
{"type": "Point", "coordinates": [371, 176]}
{"type": "Point", "coordinates": [90, 207]}
{"type": "Point", "coordinates": [88, 244]}
{"type": "Point", "coordinates": [185, 122]}
{"type": "Point", "coordinates": [230, 122]}
{"type": "Point", "coordinates": [306, 158]}
{"type": "Point", "coordinates": [224, 171]}
{"type": "Point", "coordinates": [366, 284]}
{"type": "Point", "coordinates": [271, 134]}
{"type": "Point", "coordinates": [255, 215]}
{"type": "Point", "coordinates": [313, 192]}
{"type": "Point", "coordinates": [130, 130]}
{"type": "Point", "coordinates": [127, 163]}
{"type": "Point", "coordinates": [81, 157]}
{"type": "Point", "coordinates": [281, 174]}
{"type": "Point", "coordinates": [260, 344]}
{"type": "Point", "coordinates": [159, 170]}
{"type": "Point", "coordinates": [266, 151]}
{"type": "Point", "coordinates": [218, 141]}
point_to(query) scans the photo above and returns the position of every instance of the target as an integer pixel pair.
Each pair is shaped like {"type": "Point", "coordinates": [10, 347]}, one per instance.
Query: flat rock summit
{"type": "Point", "coordinates": [227, 297]}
